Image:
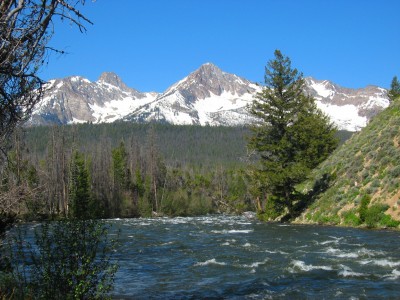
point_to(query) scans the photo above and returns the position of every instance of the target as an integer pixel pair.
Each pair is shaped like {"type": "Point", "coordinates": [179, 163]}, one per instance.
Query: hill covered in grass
{"type": "Point", "coordinates": [359, 184]}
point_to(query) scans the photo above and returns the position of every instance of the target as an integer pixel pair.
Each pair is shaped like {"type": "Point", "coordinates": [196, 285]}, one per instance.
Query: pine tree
{"type": "Point", "coordinates": [292, 137]}
{"type": "Point", "coordinates": [121, 178]}
{"type": "Point", "coordinates": [80, 196]}
{"type": "Point", "coordinates": [394, 91]}
{"type": "Point", "coordinates": [120, 166]}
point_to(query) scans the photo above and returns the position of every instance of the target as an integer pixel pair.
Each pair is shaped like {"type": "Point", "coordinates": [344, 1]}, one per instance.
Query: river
{"type": "Point", "coordinates": [228, 257]}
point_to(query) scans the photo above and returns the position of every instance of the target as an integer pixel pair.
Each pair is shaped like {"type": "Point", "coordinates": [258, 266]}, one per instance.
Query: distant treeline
{"type": "Point", "coordinates": [133, 170]}
{"type": "Point", "coordinates": [180, 145]}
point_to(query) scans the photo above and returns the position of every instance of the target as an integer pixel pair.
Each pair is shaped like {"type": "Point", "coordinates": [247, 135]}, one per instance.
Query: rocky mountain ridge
{"type": "Point", "coordinates": [207, 96]}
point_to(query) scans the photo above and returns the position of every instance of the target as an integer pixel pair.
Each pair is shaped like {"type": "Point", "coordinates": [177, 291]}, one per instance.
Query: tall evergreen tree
{"type": "Point", "coordinates": [121, 178]}
{"type": "Point", "coordinates": [80, 197]}
{"type": "Point", "coordinates": [121, 171]}
{"type": "Point", "coordinates": [394, 91]}
{"type": "Point", "coordinates": [292, 137]}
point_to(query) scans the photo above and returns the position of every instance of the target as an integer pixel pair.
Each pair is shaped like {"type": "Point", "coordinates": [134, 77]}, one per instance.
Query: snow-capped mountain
{"type": "Point", "coordinates": [350, 109]}
{"type": "Point", "coordinates": [77, 100]}
{"type": "Point", "coordinates": [207, 96]}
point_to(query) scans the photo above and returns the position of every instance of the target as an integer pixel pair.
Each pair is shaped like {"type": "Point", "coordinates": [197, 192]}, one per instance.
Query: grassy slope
{"type": "Point", "coordinates": [367, 164]}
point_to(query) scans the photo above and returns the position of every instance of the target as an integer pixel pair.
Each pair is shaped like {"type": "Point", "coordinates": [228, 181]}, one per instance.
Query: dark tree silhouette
{"type": "Point", "coordinates": [26, 26]}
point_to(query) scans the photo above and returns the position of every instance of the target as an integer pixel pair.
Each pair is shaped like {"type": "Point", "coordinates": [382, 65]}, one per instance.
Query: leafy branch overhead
{"type": "Point", "coordinates": [26, 27]}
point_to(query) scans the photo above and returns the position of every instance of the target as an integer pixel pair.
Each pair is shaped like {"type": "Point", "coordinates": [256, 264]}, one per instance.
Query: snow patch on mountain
{"type": "Point", "coordinates": [345, 117]}
{"type": "Point", "coordinates": [115, 110]}
{"type": "Point", "coordinates": [211, 106]}
{"type": "Point", "coordinates": [322, 89]}
{"type": "Point", "coordinates": [207, 96]}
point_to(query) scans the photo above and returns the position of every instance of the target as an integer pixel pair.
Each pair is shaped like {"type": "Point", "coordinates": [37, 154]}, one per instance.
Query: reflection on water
{"type": "Point", "coordinates": [232, 257]}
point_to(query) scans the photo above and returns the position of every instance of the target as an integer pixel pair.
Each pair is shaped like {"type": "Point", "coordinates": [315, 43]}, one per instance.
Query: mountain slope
{"type": "Point", "coordinates": [77, 100]}
{"type": "Point", "coordinates": [365, 170]}
{"type": "Point", "coordinates": [350, 109]}
{"type": "Point", "coordinates": [207, 96]}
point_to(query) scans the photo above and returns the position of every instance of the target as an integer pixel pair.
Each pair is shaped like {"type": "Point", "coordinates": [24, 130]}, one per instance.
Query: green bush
{"type": "Point", "coordinates": [387, 221]}
{"type": "Point", "coordinates": [199, 206]}
{"type": "Point", "coordinates": [350, 218]}
{"type": "Point", "coordinates": [176, 204]}
{"type": "Point", "coordinates": [69, 259]}
{"type": "Point", "coordinates": [331, 219]}
{"type": "Point", "coordinates": [273, 209]}
{"type": "Point", "coordinates": [365, 200]}
{"type": "Point", "coordinates": [375, 214]}
{"type": "Point", "coordinates": [395, 172]}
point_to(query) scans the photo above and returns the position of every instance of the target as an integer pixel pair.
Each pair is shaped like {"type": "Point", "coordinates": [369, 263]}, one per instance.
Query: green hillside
{"type": "Point", "coordinates": [360, 183]}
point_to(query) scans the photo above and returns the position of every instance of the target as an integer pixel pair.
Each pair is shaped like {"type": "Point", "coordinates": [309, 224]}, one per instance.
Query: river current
{"type": "Point", "coordinates": [228, 257]}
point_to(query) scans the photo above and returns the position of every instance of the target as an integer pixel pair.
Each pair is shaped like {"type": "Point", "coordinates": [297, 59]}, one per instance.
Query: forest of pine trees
{"type": "Point", "coordinates": [133, 169]}
{"type": "Point", "coordinates": [128, 173]}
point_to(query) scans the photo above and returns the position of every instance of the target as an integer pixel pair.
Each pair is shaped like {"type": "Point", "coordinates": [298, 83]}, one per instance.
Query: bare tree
{"type": "Point", "coordinates": [26, 27]}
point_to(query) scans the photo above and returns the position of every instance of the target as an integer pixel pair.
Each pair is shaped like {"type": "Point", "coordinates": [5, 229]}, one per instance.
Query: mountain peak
{"type": "Point", "coordinates": [111, 78]}
{"type": "Point", "coordinates": [208, 69]}
{"type": "Point", "coordinates": [207, 81]}
{"type": "Point", "coordinates": [209, 65]}
{"type": "Point", "coordinates": [206, 96]}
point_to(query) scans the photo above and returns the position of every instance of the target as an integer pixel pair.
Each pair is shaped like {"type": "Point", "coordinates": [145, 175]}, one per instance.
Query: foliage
{"type": "Point", "coordinates": [120, 178]}
{"type": "Point", "coordinates": [209, 162]}
{"type": "Point", "coordinates": [365, 166]}
{"type": "Point", "coordinates": [120, 169]}
{"type": "Point", "coordinates": [394, 91]}
{"type": "Point", "coordinates": [374, 214]}
{"type": "Point", "coordinates": [293, 136]}
{"type": "Point", "coordinates": [81, 203]}
{"type": "Point", "coordinates": [180, 145]}
{"type": "Point", "coordinates": [70, 259]}
{"type": "Point", "coordinates": [273, 209]}
{"type": "Point", "coordinates": [351, 219]}
{"type": "Point", "coordinates": [25, 29]}
{"type": "Point", "coordinates": [363, 211]}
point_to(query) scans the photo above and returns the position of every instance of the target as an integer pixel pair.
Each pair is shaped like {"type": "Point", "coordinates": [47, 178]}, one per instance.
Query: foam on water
{"type": "Point", "coordinates": [340, 253]}
{"type": "Point", "coordinates": [302, 266]}
{"type": "Point", "coordinates": [231, 259]}
{"type": "Point", "coordinates": [381, 263]}
{"type": "Point", "coordinates": [348, 272]}
{"type": "Point", "coordinates": [256, 264]}
{"type": "Point", "coordinates": [212, 261]}
{"type": "Point", "coordinates": [231, 231]}
{"type": "Point", "coordinates": [368, 252]}
{"type": "Point", "coordinates": [394, 276]}
{"type": "Point", "coordinates": [276, 252]}
{"type": "Point", "coordinates": [334, 240]}
{"type": "Point", "coordinates": [167, 243]}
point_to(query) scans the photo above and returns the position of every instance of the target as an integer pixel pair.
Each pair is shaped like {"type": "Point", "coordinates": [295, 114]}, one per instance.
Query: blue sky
{"type": "Point", "coordinates": [151, 44]}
